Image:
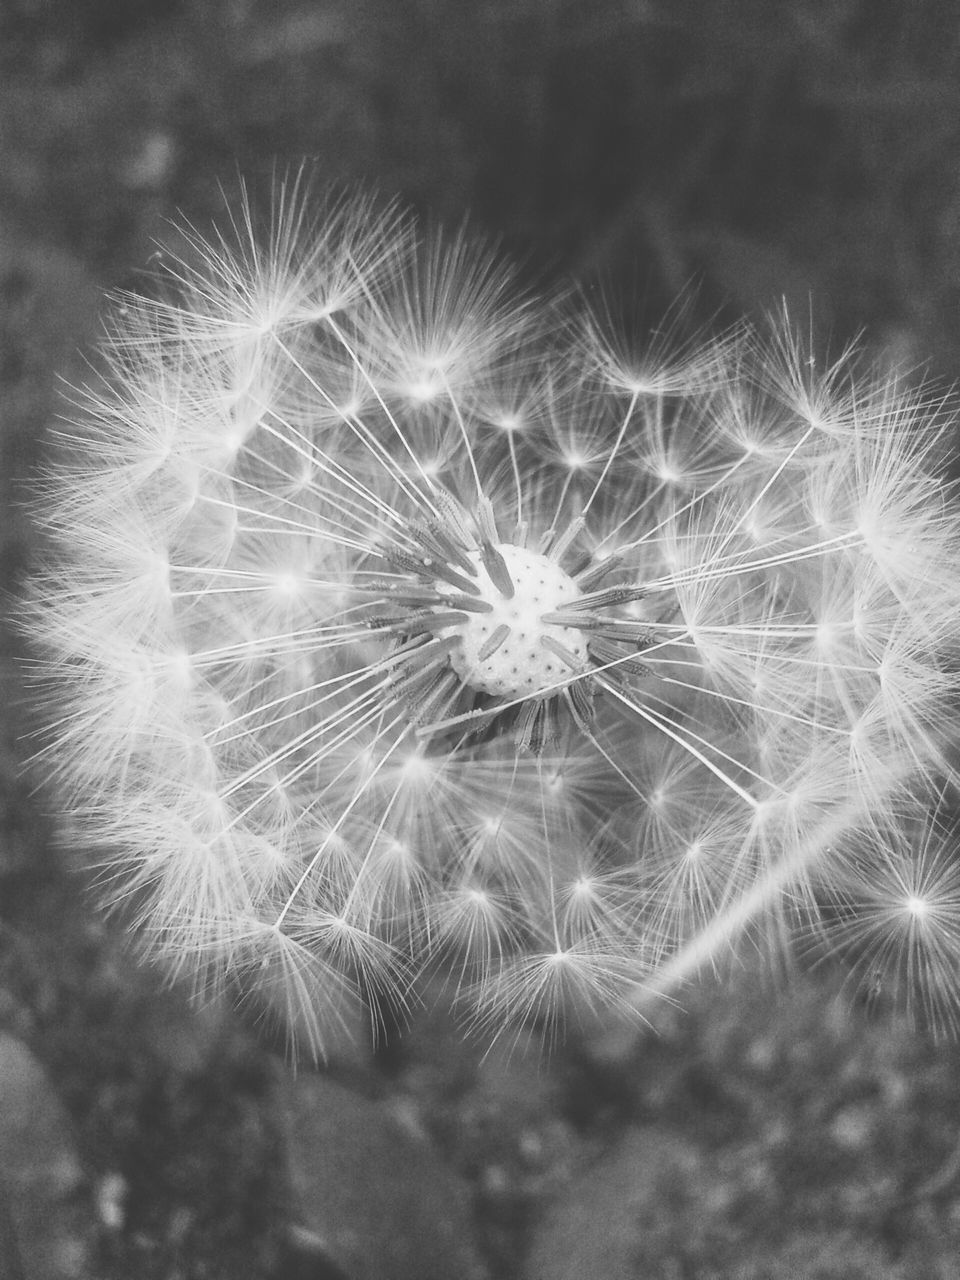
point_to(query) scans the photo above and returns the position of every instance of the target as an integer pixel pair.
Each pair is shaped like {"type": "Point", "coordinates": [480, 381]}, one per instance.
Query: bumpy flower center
{"type": "Point", "coordinates": [503, 652]}
{"type": "Point", "coordinates": [486, 630]}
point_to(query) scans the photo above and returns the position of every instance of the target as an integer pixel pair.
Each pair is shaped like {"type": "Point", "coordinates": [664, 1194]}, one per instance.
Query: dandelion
{"type": "Point", "coordinates": [391, 622]}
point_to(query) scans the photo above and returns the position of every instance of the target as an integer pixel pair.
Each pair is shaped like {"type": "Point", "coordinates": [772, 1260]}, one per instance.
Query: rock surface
{"type": "Point", "coordinates": [372, 1198]}
{"type": "Point", "coordinates": [44, 1223]}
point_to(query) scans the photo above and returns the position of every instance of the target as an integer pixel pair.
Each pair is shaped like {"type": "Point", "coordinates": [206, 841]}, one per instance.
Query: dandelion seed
{"type": "Point", "coordinates": [384, 628]}
{"type": "Point", "coordinates": [894, 913]}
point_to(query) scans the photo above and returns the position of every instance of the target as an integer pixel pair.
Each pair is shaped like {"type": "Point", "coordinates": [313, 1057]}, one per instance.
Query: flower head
{"type": "Point", "coordinates": [388, 626]}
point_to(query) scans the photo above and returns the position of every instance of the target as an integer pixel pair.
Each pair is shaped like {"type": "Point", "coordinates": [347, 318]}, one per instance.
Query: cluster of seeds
{"type": "Point", "coordinates": [393, 622]}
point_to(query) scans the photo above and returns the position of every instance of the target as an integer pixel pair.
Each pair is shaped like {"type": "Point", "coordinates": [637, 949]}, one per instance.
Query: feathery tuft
{"type": "Point", "coordinates": [384, 626]}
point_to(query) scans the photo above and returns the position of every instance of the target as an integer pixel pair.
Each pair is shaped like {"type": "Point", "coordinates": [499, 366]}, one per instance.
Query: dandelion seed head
{"type": "Point", "coordinates": [387, 628]}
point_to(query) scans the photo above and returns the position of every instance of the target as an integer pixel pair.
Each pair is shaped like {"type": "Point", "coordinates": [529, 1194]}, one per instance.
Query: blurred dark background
{"type": "Point", "coordinates": [753, 147]}
{"type": "Point", "coordinates": [735, 152]}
